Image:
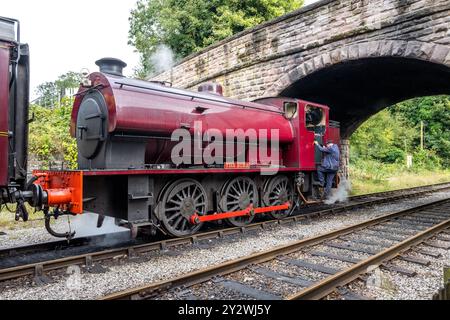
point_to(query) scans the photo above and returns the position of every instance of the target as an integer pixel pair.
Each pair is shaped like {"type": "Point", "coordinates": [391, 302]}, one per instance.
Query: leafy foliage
{"type": "Point", "coordinates": [382, 138]}
{"type": "Point", "coordinates": [49, 137]}
{"type": "Point", "coordinates": [51, 93]}
{"type": "Point", "coordinates": [187, 26]}
{"type": "Point", "coordinates": [394, 132]}
{"type": "Point", "coordinates": [435, 113]}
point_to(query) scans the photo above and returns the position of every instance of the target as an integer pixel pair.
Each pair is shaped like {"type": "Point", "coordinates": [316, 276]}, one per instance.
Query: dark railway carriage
{"type": "Point", "coordinates": [126, 148]}
{"type": "Point", "coordinates": [14, 96]}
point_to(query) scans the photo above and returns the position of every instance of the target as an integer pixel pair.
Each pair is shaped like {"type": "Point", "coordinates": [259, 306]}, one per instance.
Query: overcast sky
{"type": "Point", "coordinates": [69, 35]}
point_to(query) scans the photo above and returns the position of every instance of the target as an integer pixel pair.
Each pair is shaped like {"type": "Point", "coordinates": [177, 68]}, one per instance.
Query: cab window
{"type": "Point", "coordinates": [314, 118]}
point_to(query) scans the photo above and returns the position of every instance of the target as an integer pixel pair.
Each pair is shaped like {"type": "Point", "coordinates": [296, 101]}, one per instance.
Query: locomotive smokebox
{"type": "Point", "coordinates": [111, 66]}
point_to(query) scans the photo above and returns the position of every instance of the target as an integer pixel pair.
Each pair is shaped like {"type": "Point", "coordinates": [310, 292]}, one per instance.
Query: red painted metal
{"type": "Point", "coordinates": [143, 108]}
{"type": "Point", "coordinates": [63, 188]}
{"type": "Point", "coordinates": [237, 165]}
{"type": "Point", "coordinates": [57, 197]}
{"type": "Point", "coordinates": [140, 106]}
{"type": "Point", "coordinates": [306, 138]}
{"type": "Point", "coordinates": [4, 112]}
{"type": "Point", "coordinates": [184, 171]}
{"type": "Point", "coordinates": [101, 82]}
{"type": "Point", "coordinates": [334, 135]}
{"type": "Point", "coordinates": [281, 207]}
{"type": "Point", "coordinates": [197, 219]}
{"type": "Point", "coordinates": [301, 152]}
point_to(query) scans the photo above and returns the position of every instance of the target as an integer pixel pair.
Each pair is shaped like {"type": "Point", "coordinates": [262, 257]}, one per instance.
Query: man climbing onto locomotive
{"type": "Point", "coordinates": [329, 167]}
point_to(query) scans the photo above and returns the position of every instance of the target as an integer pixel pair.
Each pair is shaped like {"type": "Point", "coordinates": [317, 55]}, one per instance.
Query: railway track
{"type": "Point", "coordinates": [20, 267]}
{"type": "Point", "coordinates": [287, 273]}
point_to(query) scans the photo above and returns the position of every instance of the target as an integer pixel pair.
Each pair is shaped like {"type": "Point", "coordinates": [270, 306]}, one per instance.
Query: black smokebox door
{"type": "Point", "coordinates": [91, 125]}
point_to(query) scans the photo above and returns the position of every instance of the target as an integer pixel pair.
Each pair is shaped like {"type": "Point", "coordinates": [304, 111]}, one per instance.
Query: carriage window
{"type": "Point", "coordinates": [290, 110]}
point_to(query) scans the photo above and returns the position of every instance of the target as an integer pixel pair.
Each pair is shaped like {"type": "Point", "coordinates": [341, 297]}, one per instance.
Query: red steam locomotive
{"type": "Point", "coordinates": [153, 156]}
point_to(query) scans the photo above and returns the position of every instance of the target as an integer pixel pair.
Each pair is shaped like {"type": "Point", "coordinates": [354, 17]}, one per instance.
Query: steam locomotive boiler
{"type": "Point", "coordinates": [122, 123]}
{"type": "Point", "coordinates": [166, 159]}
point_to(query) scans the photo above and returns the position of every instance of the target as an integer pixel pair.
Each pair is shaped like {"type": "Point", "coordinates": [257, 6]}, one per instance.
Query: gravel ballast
{"type": "Point", "coordinates": [120, 275]}
{"type": "Point", "coordinates": [389, 285]}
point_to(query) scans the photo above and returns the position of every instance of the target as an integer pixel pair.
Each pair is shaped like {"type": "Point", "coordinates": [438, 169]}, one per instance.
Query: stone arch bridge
{"type": "Point", "coordinates": [357, 56]}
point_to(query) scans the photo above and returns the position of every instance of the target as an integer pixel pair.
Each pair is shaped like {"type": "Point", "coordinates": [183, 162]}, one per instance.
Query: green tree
{"type": "Point", "coordinates": [187, 26]}
{"type": "Point", "coordinates": [389, 135]}
{"type": "Point", "coordinates": [50, 94]}
{"type": "Point", "coordinates": [47, 94]}
{"type": "Point", "coordinates": [435, 113]}
{"type": "Point", "coordinates": [384, 137]}
{"type": "Point", "coordinates": [49, 137]}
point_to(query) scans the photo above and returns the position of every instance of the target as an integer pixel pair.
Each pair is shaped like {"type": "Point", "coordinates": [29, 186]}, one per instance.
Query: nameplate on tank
{"type": "Point", "coordinates": [237, 165]}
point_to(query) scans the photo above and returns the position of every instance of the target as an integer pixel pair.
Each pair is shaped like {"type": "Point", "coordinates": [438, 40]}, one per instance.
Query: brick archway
{"type": "Point", "coordinates": [252, 63]}
{"type": "Point", "coordinates": [359, 80]}
{"type": "Point", "coordinates": [327, 51]}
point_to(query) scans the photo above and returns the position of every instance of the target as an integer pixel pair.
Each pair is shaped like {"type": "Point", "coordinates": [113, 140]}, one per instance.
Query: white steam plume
{"type": "Point", "coordinates": [341, 193]}
{"type": "Point", "coordinates": [162, 59]}
{"type": "Point", "coordinates": [86, 225]}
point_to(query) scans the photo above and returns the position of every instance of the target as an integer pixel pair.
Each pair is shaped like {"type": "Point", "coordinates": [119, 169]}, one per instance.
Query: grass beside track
{"type": "Point", "coordinates": [363, 183]}
{"type": "Point", "coordinates": [7, 221]}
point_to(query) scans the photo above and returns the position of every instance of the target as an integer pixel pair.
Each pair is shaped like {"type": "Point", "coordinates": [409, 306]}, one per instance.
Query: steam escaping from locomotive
{"type": "Point", "coordinates": [86, 225]}
{"type": "Point", "coordinates": [163, 59]}
{"type": "Point", "coordinates": [341, 193]}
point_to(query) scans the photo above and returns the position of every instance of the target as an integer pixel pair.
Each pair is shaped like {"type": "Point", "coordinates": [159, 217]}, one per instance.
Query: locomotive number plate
{"type": "Point", "coordinates": [237, 165]}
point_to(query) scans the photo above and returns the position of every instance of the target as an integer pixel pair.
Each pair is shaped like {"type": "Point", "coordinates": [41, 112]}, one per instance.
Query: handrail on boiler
{"type": "Point", "coordinates": [193, 97]}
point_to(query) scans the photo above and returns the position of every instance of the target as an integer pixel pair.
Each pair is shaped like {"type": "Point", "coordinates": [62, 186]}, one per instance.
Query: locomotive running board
{"type": "Point", "coordinates": [250, 211]}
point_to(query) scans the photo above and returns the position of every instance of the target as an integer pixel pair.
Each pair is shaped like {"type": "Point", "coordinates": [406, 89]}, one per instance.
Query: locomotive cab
{"type": "Point", "coordinates": [310, 122]}
{"type": "Point", "coordinates": [315, 122]}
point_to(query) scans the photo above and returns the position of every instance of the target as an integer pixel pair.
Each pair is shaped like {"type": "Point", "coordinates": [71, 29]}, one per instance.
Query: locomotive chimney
{"type": "Point", "coordinates": [111, 66]}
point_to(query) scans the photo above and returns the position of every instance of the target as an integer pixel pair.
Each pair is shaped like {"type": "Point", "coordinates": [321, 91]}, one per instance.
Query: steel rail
{"type": "Point", "coordinates": [329, 284]}
{"type": "Point", "coordinates": [384, 193]}
{"type": "Point", "coordinates": [204, 275]}
{"type": "Point", "coordinates": [50, 246]}
{"type": "Point", "coordinates": [130, 251]}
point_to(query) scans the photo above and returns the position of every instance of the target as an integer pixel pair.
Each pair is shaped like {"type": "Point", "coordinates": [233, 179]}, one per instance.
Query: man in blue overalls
{"type": "Point", "coordinates": [329, 166]}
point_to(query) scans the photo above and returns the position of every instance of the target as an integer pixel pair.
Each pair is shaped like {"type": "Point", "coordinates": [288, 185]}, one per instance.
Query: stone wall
{"type": "Point", "coordinates": [265, 60]}
{"type": "Point", "coordinates": [345, 158]}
